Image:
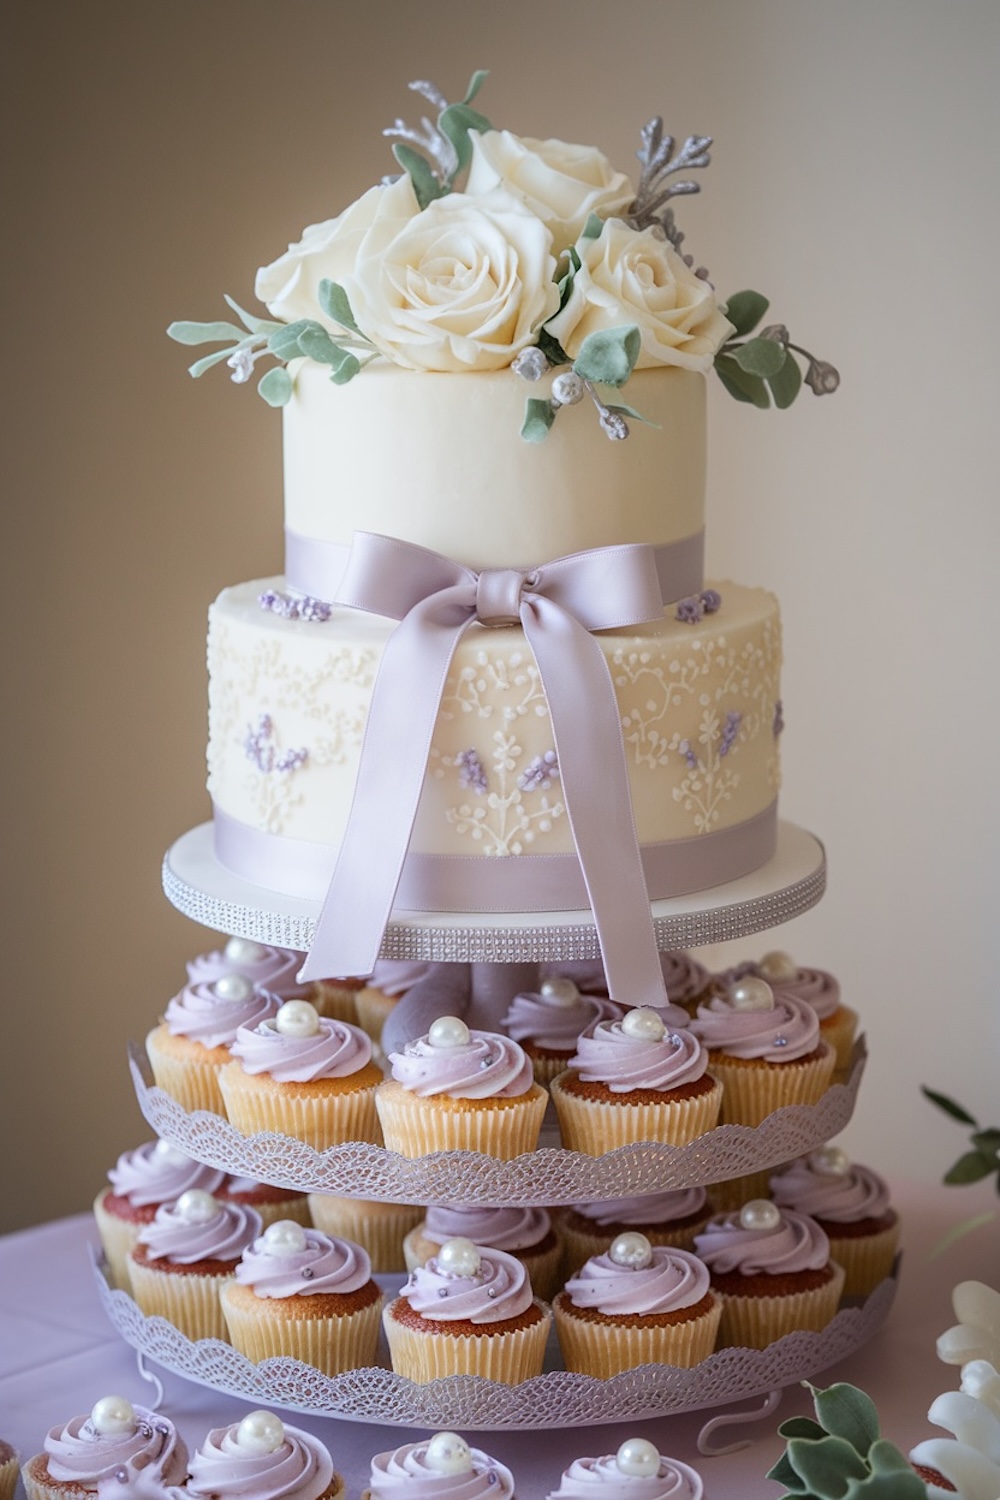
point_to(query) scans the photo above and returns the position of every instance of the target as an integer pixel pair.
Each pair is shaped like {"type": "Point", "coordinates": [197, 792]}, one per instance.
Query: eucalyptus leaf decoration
{"type": "Point", "coordinates": [760, 368]}
{"type": "Point", "coordinates": [606, 359]}
{"type": "Point", "coordinates": [436, 153]}
{"type": "Point", "coordinates": [842, 1453]}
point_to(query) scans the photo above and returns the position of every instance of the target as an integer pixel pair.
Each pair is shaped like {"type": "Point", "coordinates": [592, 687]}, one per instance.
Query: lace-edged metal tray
{"type": "Point", "coordinates": [555, 1399]}
{"type": "Point", "coordinates": [546, 1177]}
{"type": "Point", "coordinates": [788, 885]}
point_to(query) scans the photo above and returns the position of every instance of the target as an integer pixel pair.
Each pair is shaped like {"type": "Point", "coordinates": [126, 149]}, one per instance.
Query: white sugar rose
{"type": "Point", "coordinates": [635, 276]}
{"type": "Point", "coordinates": [561, 183]}
{"type": "Point", "coordinates": [289, 287]}
{"type": "Point", "coordinates": [464, 285]}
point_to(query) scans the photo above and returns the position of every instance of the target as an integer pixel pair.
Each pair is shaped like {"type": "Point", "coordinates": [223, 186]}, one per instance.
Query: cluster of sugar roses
{"type": "Point", "coordinates": [545, 257]}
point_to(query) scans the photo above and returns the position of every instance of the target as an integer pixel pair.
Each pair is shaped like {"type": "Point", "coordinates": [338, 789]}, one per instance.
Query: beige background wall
{"type": "Point", "coordinates": [156, 154]}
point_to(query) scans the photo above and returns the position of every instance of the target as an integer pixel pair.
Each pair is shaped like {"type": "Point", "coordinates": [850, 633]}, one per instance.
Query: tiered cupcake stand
{"type": "Point", "coordinates": [550, 1176]}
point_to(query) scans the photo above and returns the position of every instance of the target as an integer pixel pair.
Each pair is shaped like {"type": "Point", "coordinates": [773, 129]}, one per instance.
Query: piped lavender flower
{"type": "Point", "coordinates": [471, 771]}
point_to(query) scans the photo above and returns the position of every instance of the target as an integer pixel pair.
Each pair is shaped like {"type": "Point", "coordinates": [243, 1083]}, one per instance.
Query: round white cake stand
{"type": "Point", "coordinates": [788, 885]}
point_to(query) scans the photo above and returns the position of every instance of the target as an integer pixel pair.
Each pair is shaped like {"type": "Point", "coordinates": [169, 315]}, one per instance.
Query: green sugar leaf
{"type": "Point", "coordinates": [801, 1427]}
{"type": "Point", "coordinates": [425, 185]}
{"type": "Point", "coordinates": [825, 1465]}
{"type": "Point", "coordinates": [848, 1413]}
{"type": "Point", "coordinates": [592, 228]}
{"type": "Point", "coordinates": [276, 386]}
{"type": "Point", "coordinates": [786, 384]}
{"type": "Point", "coordinates": [783, 1473]}
{"type": "Point", "coordinates": [315, 343]}
{"type": "Point", "coordinates": [609, 355]}
{"type": "Point", "coordinates": [201, 365]}
{"type": "Point", "coordinates": [630, 411]}
{"type": "Point", "coordinates": [204, 333]}
{"type": "Point", "coordinates": [345, 368]}
{"type": "Point", "coordinates": [745, 310]}
{"type": "Point", "coordinates": [551, 348]}
{"type": "Point", "coordinates": [885, 1458]}
{"type": "Point", "coordinates": [970, 1168]}
{"type": "Point", "coordinates": [284, 342]}
{"type": "Point", "coordinates": [455, 122]}
{"type": "Point", "coordinates": [476, 82]}
{"type": "Point", "coordinates": [255, 324]}
{"type": "Point", "coordinates": [948, 1105]}
{"type": "Point", "coordinates": [740, 384]}
{"type": "Point", "coordinates": [538, 418]}
{"type": "Point", "coordinates": [336, 304]}
{"type": "Point", "coordinates": [763, 357]}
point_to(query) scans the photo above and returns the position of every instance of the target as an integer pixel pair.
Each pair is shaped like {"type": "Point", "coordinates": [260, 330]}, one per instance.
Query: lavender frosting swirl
{"type": "Point", "coordinates": [336, 1050]}
{"type": "Point", "coordinates": [651, 1208]}
{"type": "Point", "coordinates": [301, 1469]}
{"type": "Point", "coordinates": [608, 1055]}
{"type": "Point", "coordinates": [841, 1197]}
{"type": "Point", "coordinates": [487, 1066]}
{"type": "Point", "coordinates": [201, 1015]}
{"type": "Point", "coordinates": [816, 987]}
{"type": "Point", "coordinates": [223, 1237]}
{"type": "Point", "coordinates": [394, 976]}
{"type": "Point", "coordinates": [796, 1243]}
{"type": "Point", "coordinates": [156, 1172]}
{"type": "Point", "coordinates": [273, 969]}
{"type": "Point", "coordinates": [789, 1031]}
{"type": "Point", "coordinates": [672, 1280]}
{"type": "Point", "coordinates": [498, 1292]}
{"type": "Point", "coordinates": [326, 1264]}
{"type": "Point", "coordinates": [404, 1472]}
{"type": "Point", "coordinates": [511, 1229]}
{"type": "Point", "coordinates": [683, 976]}
{"type": "Point", "coordinates": [80, 1455]}
{"type": "Point", "coordinates": [539, 1019]}
{"type": "Point", "coordinates": [587, 1477]}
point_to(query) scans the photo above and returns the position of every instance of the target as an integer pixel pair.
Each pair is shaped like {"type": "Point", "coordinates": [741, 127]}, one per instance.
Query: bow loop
{"type": "Point", "coordinates": [498, 595]}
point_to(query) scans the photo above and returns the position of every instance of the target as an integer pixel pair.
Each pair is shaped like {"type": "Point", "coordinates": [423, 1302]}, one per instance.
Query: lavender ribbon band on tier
{"type": "Point", "coordinates": [557, 605]}
{"type": "Point", "coordinates": [316, 567]}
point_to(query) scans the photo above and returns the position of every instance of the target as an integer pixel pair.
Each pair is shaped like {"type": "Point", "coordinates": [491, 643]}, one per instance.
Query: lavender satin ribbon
{"type": "Point", "coordinates": [557, 605]}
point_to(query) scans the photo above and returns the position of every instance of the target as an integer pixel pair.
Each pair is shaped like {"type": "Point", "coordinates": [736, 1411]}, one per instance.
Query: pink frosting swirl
{"type": "Point", "coordinates": [789, 1031]}
{"type": "Point", "coordinates": [273, 969]}
{"type": "Point", "coordinates": [840, 1197]}
{"type": "Point", "coordinates": [487, 1066]}
{"type": "Point", "coordinates": [651, 1208]}
{"type": "Point", "coordinates": [587, 1477]}
{"type": "Point", "coordinates": [511, 1229]}
{"type": "Point", "coordinates": [404, 1472]}
{"type": "Point", "coordinates": [201, 1015]}
{"type": "Point", "coordinates": [609, 1055]}
{"type": "Point", "coordinates": [673, 1279]}
{"type": "Point", "coordinates": [394, 976]}
{"type": "Point", "coordinates": [499, 1291]}
{"type": "Point", "coordinates": [224, 1236]}
{"type": "Point", "coordinates": [335, 1050]}
{"type": "Point", "coordinates": [78, 1454]}
{"type": "Point", "coordinates": [796, 1243]}
{"type": "Point", "coordinates": [300, 1469]}
{"type": "Point", "coordinates": [325, 1264]}
{"type": "Point", "coordinates": [540, 1019]}
{"type": "Point", "coordinates": [157, 1172]}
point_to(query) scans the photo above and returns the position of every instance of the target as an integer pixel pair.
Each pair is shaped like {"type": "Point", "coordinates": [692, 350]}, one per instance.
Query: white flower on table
{"type": "Point", "coordinates": [970, 1459]}
{"type": "Point", "coordinates": [561, 183]}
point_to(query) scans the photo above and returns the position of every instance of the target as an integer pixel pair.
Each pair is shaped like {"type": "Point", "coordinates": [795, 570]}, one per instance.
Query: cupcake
{"type": "Point", "coordinates": [117, 1443]}
{"type": "Point", "coordinates": [270, 1202]}
{"type": "Point", "coordinates": [851, 1205]}
{"type": "Point", "coordinates": [684, 977]}
{"type": "Point", "coordinates": [837, 1022]}
{"type": "Point", "coordinates": [771, 1267]}
{"type": "Point", "coordinates": [379, 1228]}
{"type": "Point", "coordinates": [460, 1090]}
{"type": "Point", "coordinates": [671, 1217]}
{"type": "Point", "coordinates": [637, 1304]}
{"type": "Point", "coordinates": [10, 1467]}
{"type": "Point", "coordinates": [276, 970]}
{"type": "Point", "coordinates": [636, 1472]}
{"type": "Point", "coordinates": [765, 1049]}
{"type": "Point", "coordinates": [262, 1456]}
{"type": "Point", "coordinates": [301, 1293]}
{"type": "Point", "coordinates": [468, 1311]}
{"type": "Point", "coordinates": [303, 1075]}
{"type": "Point", "coordinates": [390, 980]}
{"type": "Point", "coordinates": [192, 1041]}
{"type": "Point", "coordinates": [443, 1467]}
{"type": "Point", "coordinates": [635, 1080]}
{"type": "Point", "coordinates": [526, 1233]}
{"type": "Point", "coordinates": [184, 1258]}
{"type": "Point", "coordinates": [547, 1023]}
{"type": "Point", "coordinates": [141, 1180]}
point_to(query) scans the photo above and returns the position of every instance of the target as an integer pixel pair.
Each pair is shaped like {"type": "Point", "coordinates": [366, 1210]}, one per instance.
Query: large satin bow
{"type": "Point", "coordinates": [557, 605]}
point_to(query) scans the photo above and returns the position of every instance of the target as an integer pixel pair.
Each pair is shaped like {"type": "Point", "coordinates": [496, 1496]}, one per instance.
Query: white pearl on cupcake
{"type": "Point", "coordinates": [559, 990]}
{"type": "Point", "coordinates": [760, 1213]}
{"type": "Point", "coordinates": [639, 1458]}
{"type": "Point", "coordinates": [195, 1206]}
{"type": "Point", "coordinates": [113, 1415]}
{"type": "Point", "coordinates": [777, 965]}
{"type": "Point", "coordinates": [644, 1024]}
{"type": "Point", "coordinates": [751, 994]}
{"type": "Point", "coordinates": [240, 950]}
{"type": "Point", "coordinates": [830, 1161]}
{"type": "Point", "coordinates": [448, 1031]}
{"type": "Point", "coordinates": [164, 1153]}
{"type": "Point", "coordinates": [631, 1249]}
{"type": "Point", "coordinates": [260, 1432]}
{"type": "Point", "coordinates": [284, 1237]}
{"type": "Point", "coordinates": [235, 987]}
{"type": "Point", "coordinates": [459, 1257]}
{"type": "Point", "coordinates": [447, 1453]}
{"type": "Point", "coordinates": [297, 1018]}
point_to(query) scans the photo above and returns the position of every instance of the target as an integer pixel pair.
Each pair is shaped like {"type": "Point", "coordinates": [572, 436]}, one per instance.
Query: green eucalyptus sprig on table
{"type": "Point", "coordinates": [445, 142]}
{"type": "Point", "coordinates": [984, 1158]}
{"type": "Point", "coordinates": [305, 338]}
{"type": "Point", "coordinates": [762, 368]}
{"type": "Point", "coordinates": [842, 1455]}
